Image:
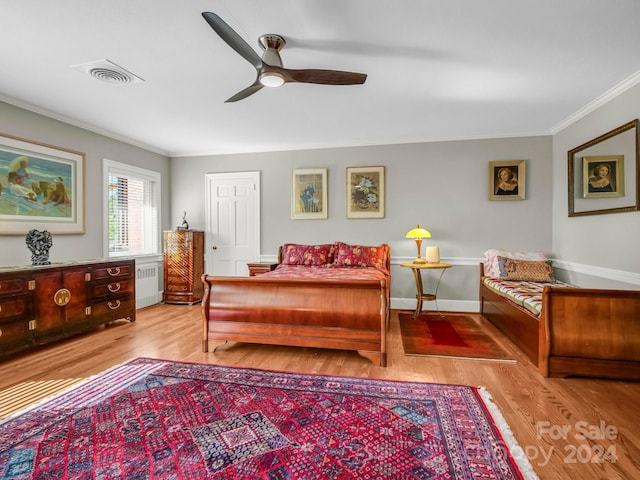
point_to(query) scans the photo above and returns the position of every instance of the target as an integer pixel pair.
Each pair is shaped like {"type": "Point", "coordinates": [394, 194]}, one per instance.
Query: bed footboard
{"type": "Point", "coordinates": [590, 332]}
{"type": "Point", "coordinates": [337, 314]}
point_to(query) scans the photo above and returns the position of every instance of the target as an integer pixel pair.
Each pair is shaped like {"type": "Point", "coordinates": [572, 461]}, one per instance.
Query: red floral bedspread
{"type": "Point", "coordinates": [326, 271]}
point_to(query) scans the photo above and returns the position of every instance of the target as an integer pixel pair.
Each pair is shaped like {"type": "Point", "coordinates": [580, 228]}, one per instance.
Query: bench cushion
{"type": "Point", "coordinates": [525, 294]}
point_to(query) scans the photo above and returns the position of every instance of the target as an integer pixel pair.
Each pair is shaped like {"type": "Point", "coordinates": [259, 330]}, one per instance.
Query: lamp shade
{"type": "Point", "coordinates": [418, 232]}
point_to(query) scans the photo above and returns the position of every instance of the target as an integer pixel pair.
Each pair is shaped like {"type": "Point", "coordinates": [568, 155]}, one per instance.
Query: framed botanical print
{"type": "Point", "coordinates": [309, 193]}
{"type": "Point", "coordinates": [365, 192]}
{"type": "Point", "coordinates": [41, 187]}
{"type": "Point", "coordinates": [507, 180]}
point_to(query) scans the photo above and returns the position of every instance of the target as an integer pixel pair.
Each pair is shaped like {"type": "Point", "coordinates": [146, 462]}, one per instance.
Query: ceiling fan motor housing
{"type": "Point", "coordinates": [272, 44]}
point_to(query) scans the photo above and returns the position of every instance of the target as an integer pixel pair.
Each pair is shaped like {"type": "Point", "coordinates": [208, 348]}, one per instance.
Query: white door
{"type": "Point", "coordinates": [232, 237]}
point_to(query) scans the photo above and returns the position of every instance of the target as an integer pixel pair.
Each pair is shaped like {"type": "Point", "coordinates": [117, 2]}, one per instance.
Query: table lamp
{"type": "Point", "coordinates": [418, 233]}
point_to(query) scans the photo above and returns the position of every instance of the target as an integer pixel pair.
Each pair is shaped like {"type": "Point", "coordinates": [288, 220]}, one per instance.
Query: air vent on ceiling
{"type": "Point", "coordinates": [109, 72]}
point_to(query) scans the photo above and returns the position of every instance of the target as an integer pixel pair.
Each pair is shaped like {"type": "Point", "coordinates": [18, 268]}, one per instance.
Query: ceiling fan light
{"type": "Point", "coordinates": [271, 79]}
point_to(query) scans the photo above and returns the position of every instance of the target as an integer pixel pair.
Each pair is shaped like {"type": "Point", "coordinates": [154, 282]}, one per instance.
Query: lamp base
{"type": "Point", "coordinates": [420, 260]}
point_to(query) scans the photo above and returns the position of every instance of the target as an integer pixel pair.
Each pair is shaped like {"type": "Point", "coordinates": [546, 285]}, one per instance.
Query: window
{"type": "Point", "coordinates": [132, 206]}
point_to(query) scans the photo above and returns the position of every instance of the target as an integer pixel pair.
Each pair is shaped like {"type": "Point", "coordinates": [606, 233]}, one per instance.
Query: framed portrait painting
{"type": "Point", "coordinates": [604, 173]}
{"type": "Point", "coordinates": [507, 180]}
{"type": "Point", "coordinates": [365, 192]}
{"type": "Point", "coordinates": [603, 176]}
{"type": "Point", "coordinates": [309, 193]}
{"type": "Point", "coordinates": [41, 187]}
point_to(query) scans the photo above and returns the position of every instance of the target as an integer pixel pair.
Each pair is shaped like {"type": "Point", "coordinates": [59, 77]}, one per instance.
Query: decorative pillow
{"type": "Point", "coordinates": [294, 254]}
{"type": "Point", "coordinates": [362, 256]}
{"type": "Point", "coordinates": [526, 270]}
{"type": "Point", "coordinates": [491, 267]}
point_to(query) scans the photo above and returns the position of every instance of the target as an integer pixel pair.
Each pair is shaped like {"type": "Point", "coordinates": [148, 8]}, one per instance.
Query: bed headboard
{"type": "Point", "coordinates": [387, 262]}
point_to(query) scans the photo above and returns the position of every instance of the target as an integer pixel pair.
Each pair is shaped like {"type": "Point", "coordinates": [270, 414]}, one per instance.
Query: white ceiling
{"type": "Point", "coordinates": [437, 70]}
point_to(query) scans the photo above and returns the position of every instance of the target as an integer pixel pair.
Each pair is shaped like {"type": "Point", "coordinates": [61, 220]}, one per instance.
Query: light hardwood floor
{"type": "Point", "coordinates": [547, 416]}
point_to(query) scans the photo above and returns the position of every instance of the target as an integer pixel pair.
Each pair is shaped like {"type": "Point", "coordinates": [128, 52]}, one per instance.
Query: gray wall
{"type": "Point", "coordinates": [599, 250]}
{"type": "Point", "coordinates": [443, 186]}
{"type": "Point", "coordinates": [31, 126]}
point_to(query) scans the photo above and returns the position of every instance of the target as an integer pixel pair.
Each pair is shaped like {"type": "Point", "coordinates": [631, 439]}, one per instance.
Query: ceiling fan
{"type": "Point", "coordinates": [270, 72]}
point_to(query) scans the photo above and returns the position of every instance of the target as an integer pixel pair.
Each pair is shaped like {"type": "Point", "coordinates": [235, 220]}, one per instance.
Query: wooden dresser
{"type": "Point", "coordinates": [40, 304]}
{"type": "Point", "coordinates": [183, 266]}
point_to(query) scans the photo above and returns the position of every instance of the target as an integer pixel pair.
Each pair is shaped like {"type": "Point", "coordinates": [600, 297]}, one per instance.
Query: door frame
{"type": "Point", "coordinates": [255, 176]}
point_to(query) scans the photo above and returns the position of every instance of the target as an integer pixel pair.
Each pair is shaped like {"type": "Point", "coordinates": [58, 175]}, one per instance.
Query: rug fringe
{"type": "Point", "coordinates": [507, 434]}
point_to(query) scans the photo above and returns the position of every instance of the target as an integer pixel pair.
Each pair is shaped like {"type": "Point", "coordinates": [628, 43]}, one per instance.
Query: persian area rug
{"type": "Point", "coordinates": [155, 419]}
{"type": "Point", "coordinates": [451, 335]}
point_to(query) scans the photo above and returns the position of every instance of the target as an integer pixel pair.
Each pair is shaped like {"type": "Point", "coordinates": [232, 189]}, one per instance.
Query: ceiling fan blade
{"type": "Point", "coordinates": [250, 90]}
{"type": "Point", "coordinates": [323, 77]}
{"type": "Point", "coordinates": [234, 40]}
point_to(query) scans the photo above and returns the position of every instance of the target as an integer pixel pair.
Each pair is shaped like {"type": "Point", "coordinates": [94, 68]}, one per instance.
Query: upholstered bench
{"type": "Point", "coordinates": [566, 330]}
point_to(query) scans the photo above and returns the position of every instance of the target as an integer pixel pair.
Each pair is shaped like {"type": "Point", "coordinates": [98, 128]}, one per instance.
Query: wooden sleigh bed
{"type": "Point", "coordinates": [579, 331]}
{"type": "Point", "coordinates": [342, 303]}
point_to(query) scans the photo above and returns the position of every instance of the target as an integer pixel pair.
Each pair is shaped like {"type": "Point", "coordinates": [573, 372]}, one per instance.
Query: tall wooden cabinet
{"type": "Point", "coordinates": [45, 303]}
{"type": "Point", "coordinates": [183, 266]}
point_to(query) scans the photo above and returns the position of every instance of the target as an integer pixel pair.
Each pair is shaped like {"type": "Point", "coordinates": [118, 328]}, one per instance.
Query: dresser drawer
{"type": "Point", "coordinates": [177, 280]}
{"type": "Point", "coordinates": [16, 332]}
{"type": "Point", "coordinates": [174, 287]}
{"type": "Point", "coordinates": [13, 307]}
{"type": "Point", "coordinates": [114, 309]}
{"type": "Point", "coordinates": [114, 288]}
{"type": "Point", "coordinates": [181, 298]}
{"type": "Point", "coordinates": [13, 286]}
{"type": "Point", "coordinates": [113, 271]}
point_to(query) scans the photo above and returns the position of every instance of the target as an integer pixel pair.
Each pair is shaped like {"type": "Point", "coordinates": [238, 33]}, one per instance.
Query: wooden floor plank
{"type": "Point", "coordinates": [537, 409]}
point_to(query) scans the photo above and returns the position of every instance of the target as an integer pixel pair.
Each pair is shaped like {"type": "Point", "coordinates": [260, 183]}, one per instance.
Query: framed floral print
{"type": "Point", "coordinates": [41, 187]}
{"type": "Point", "coordinates": [365, 192]}
{"type": "Point", "coordinates": [309, 193]}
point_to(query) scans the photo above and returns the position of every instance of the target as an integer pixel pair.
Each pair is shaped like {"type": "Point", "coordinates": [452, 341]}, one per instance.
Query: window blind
{"type": "Point", "coordinates": [132, 211]}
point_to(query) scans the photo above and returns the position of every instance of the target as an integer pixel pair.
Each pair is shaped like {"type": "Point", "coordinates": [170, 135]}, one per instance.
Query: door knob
{"type": "Point", "coordinates": [214, 247]}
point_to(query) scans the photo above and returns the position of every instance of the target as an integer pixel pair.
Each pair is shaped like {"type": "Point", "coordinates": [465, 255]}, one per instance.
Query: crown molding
{"type": "Point", "coordinates": [607, 96]}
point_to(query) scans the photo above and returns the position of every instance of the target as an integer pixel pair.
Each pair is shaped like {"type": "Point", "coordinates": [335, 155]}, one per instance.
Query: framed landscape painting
{"type": "Point", "coordinates": [41, 187]}
{"type": "Point", "coordinates": [365, 192]}
{"type": "Point", "coordinates": [309, 193]}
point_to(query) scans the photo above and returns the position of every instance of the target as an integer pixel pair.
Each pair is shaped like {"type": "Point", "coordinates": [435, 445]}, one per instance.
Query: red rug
{"type": "Point", "coordinates": [154, 419]}
{"type": "Point", "coordinates": [450, 335]}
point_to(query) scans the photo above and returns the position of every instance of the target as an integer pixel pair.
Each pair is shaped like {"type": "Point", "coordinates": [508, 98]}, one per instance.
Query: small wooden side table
{"type": "Point", "coordinates": [421, 295]}
{"type": "Point", "coordinates": [260, 268]}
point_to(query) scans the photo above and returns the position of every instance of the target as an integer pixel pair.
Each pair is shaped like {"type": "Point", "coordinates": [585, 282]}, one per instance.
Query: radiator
{"type": "Point", "coordinates": [148, 283]}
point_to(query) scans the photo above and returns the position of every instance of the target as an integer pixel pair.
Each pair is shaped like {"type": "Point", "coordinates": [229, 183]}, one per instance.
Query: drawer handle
{"type": "Point", "coordinates": [114, 305]}
{"type": "Point", "coordinates": [113, 287]}
{"type": "Point", "coordinates": [62, 297]}
{"type": "Point", "coordinates": [113, 271]}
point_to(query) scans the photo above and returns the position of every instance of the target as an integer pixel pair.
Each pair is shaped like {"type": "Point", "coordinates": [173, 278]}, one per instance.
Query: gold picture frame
{"type": "Point", "coordinates": [603, 176]}
{"type": "Point", "coordinates": [507, 180]}
{"type": "Point", "coordinates": [618, 149]}
{"type": "Point", "coordinates": [41, 187]}
{"type": "Point", "coordinates": [309, 194]}
{"type": "Point", "coordinates": [365, 192]}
